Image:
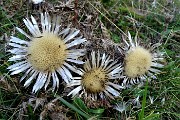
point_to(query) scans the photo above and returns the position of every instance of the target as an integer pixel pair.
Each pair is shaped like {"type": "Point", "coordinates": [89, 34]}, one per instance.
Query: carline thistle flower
{"type": "Point", "coordinates": [45, 53]}
{"type": "Point", "coordinates": [140, 63]}
{"type": "Point", "coordinates": [96, 78]}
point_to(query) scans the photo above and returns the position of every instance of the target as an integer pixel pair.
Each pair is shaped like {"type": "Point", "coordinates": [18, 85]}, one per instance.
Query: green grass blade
{"type": "Point", "coordinates": [73, 108]}
{"type": "Point", "coordinates": [141, 114]}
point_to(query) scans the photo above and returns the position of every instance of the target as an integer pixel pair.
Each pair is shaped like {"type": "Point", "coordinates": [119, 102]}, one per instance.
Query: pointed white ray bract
{"type": "Point", "coordinates": [17, 40]}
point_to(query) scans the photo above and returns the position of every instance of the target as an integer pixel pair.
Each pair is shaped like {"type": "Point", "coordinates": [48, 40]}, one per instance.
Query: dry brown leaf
{"type": "Point", "coordinates": [4, 84]}
{"type": "Point", "coordinates": [105, 32]}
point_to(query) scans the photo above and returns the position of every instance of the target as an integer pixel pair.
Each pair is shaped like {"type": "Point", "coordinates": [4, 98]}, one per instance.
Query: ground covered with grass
{"type": "Point", "coordinates": [104, 23]}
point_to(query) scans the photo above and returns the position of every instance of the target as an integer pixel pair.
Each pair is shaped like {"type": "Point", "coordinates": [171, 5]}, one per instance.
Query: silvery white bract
{"type": "Point", "coordinates": [37, 1]}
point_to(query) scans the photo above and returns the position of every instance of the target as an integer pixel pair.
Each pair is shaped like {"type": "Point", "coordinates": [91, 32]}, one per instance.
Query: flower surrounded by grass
{"type": "Point", "coordinates": [140, 63]}
{"type": "Point", "coordinates": [97, 78]}
{"type": "Point", "coordinates": [45, 53]}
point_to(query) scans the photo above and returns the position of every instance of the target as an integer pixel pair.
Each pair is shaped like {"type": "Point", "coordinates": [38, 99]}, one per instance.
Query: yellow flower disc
{"type": "Point", "coordinates": [137, 62]}
{"type": "Point", "coordinates": [94, 80]}
{"type": "Point", "coordinates": [47, 53]}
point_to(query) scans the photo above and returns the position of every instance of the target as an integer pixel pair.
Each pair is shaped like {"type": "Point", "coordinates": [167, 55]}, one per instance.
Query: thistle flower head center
{"type": "Point", "coordinates": [47, 53]}
{"type": "Point", "coordinates": [137, 62]}
{"type": "Point", "coordinates": [94, 80]}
